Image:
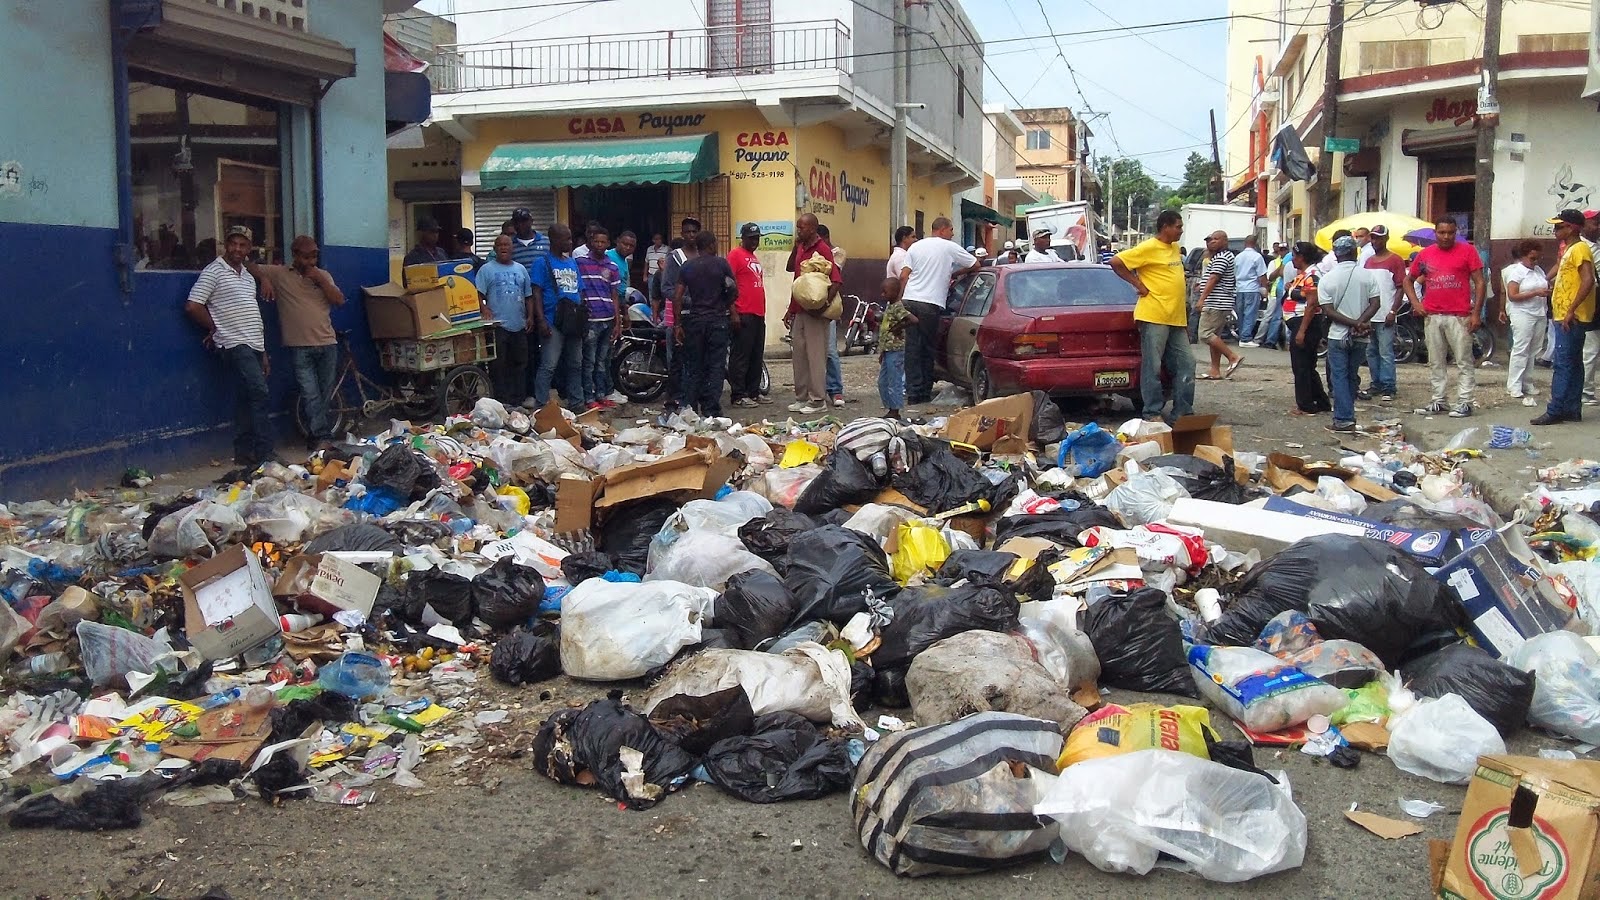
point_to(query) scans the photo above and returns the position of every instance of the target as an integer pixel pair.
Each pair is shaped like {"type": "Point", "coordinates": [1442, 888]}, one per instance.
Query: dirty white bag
{"type": "Point", "coordinates": [602, 458]}
{"type": "Point", "coordinates": [1123, 813]}
{"type": "Point", "coordinates": [808, 679]}
{"type": "Point", "coordinates": [489, 414]}
{"type": "Point", "coordinates": [976, 671]}
{"type": "Point", "coordinates": [1145, 497]}
{"type": "Point", "coordinates": [1064, 651]}
{"type": "Point", "coordinates": [1232, 679]}
{"type": "Point", "coordinates": [110, 652]}
{"type": "Point", "coordinates": [878, 520]}
{"type": "Point", "coordinates": [199, 530]}
{"type": "Point", "coordinates": [722, 516]}
{"type": "Point", "coordinates": [611, 631]}
{"type": "Point", "coordinates": [1566, 691]}
{"type": "Point", "coordinates": [702, 558]}
{"type": "Point", "coordinates": [1442, 739]}
{"type": "Point", "coordinates": [784, 486]}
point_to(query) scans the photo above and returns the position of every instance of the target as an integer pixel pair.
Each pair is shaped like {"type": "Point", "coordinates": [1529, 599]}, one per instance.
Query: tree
{"type": "Point", "coordinates": [1124, 178]}
{"type": "Point", "coordinates": [1197, 179]}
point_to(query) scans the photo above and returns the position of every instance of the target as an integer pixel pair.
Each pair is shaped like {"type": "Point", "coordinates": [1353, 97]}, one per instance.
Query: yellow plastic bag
{"type": "Point", "coordinates": [1115, 730]}
{"type": "Point", "coordinates": [920, 549]}
{"type": "Point", "coordinates": [519, 498]}
{"type": "Point", "coordinates": [798, 453]}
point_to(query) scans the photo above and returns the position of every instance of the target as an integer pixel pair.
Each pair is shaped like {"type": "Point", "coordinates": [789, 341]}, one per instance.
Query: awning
{"type": "Point", "coordinates": [1431, 141]}
{"type": "Point", "coordinates": [550, 164]}
{"type": "Point", "coordinates": [970, 210]}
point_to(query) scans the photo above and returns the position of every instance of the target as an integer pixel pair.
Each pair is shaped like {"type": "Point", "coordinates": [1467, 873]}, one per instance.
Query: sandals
{"type": "Point", "coordinates": [1234, 367]}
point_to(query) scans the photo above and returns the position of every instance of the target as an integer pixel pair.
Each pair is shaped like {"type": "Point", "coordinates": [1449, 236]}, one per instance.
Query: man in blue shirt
{"type": "Point", "coordinates": [555, 278]}
{"type": "Point", "coordinates": [1250, 267]}
{"type": "Point", "coordinates": [528, 247]}
{"type": "Point", "coordinates": [600, 284]}
{"type": "Point", "coordinates": [622, 255]}
{"type": "Point", "coordinates": [504, 285]}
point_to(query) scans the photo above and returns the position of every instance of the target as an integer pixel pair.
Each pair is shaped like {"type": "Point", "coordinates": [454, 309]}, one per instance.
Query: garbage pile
{"type": "Point", "coordinates": [929, 617]}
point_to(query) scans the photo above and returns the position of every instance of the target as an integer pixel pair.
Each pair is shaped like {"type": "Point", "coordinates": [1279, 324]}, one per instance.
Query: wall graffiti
{"type": "Point", "coordinates": [1569, 193]}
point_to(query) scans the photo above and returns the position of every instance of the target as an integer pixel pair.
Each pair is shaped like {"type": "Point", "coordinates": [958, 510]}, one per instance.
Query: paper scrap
{"type": "Point", "coordinates": [1368, 736]}
{"type": "Point", "coordinates": [1383, 826]}
{"type": "Point", "coordinates": [798, 453]}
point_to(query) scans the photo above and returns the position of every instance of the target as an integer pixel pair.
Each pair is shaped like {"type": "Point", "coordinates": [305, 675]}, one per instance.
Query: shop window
{"type": "Point", "coordinates": [1388, 56]}
{"type": "Point", "coordinates": [1039, 139]}
{"type": "Point", "coordinates": [1550, 43]}
{"type": "Point", "coordinates": [203, 162]}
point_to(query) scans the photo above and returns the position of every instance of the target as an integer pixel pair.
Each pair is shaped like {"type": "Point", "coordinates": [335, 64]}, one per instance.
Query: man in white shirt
{"type": "Point", "coordinates": [1329, 261]}
{"type": "Point", "coordinates": [925, 288]}
{"type": "Point", "coordinates": [904, 237]}
{"type": "Point", "coordinates": [1041, 252]}
{"type": "Point", "coordinates": [655, 255]}
{"type": "Point", "coordinates": [1349, 296]}
{"type": "Point", "coordinates": [1364, 250]}
{"type": "Point", "coordinates": [1007, 254]}
{"type": "Point", "coordinates": [223, 303]}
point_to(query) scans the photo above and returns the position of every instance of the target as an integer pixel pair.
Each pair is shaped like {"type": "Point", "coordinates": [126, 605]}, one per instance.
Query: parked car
{"type": "Point", "coordinates": [1063, 328]}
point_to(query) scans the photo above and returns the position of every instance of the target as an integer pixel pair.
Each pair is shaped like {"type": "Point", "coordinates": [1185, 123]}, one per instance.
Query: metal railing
{"type": "Point", "coordinates": [680, 53]}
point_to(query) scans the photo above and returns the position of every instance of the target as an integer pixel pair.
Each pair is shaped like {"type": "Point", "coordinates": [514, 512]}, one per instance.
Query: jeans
{"type": "Point", "coordinates": [745, 356]}
{"type": "Point", "coordinates": [252, 442]}
{"type": "Point", "coordinates": [835, 373]}
{"type": "Point", "coordinates": [1447, 336]}
{"type": "Point", "coordinates": [1380, 358]}
{"type": "Point", "coordinates": [509, 368]}
{"type": "Point", "coordinates": [1344, 373]}
{"type": "Point", "coordinates": [705, 362]}
{"type": "Point", "coordinates": [1566, 377]}
{"type": "Point", "coordinates": [314, 369]}
{"type": "Point", "coordinates": [1165, 347]}
{"type": "Point", "coordinates": [596, 365]}
{"type": "Point", "coordinates": [1270, 330]}
{"type": "Point", "coordinates": [1248, 305]}
{"type": "Point", "coordinates": [535, 353]}
{"type": "Point", "coordinates": [892, 379]}
{"type": "Point", "coordinates": [1309, 394]}
{"type": "Point", "coordinates": [1528, 327]}
{"type": "Point", "coordinates": [559, 358]}
{"type": "Point", "coordinates": [920, 350]}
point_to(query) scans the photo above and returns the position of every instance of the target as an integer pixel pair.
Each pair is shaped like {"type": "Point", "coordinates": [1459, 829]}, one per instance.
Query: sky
{"type": "Point", "coordinates": [1155, 105]}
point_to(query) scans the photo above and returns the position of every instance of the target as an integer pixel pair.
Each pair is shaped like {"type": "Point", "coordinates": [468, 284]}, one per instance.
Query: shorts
{"type": "Point", "coordinates": [1212, 321]}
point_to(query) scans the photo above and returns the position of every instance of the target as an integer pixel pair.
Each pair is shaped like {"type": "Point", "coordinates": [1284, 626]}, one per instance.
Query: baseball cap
{"type": "Point", "coordinates": [749, 229]}
{"type": "Point", "coordinates": [1011, 245]}
{"type": "Point", "coordinates": [521, 214]}
{"type": "Point", "coordinates": [242, 231]}
{"type": "Point", "coordinates": [1344, 246]}
{"type": "Point", "coordinates": [1379, 231]}
{"type": "Point", "coordinates": [1569, 216]}
{"type": "Point", "coordinates": [1041, 232]}
{"type": "Point", "coordinates": [427, 224]}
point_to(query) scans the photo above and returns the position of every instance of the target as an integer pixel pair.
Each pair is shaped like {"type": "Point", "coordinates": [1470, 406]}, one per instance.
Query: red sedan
{"type": "Point", "coordinates": [1063, 328]}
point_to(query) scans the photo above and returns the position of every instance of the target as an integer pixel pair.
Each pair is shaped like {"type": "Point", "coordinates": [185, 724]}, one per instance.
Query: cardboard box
{"type": "Point", "coordinates": [1241, 528]}
{"type": "Point", "coordinates": [685, 475]}
{"type": "Point", "coordinates": [1285, 472]}
{"type": "Point", "coordinates": [1217, 457]}
{"type": "Point", "coordinates": [1431, 548]}
{"type": "Point", "coordinates": [1000, 425]}
{"type": "Point", "coordinates": [393, 312]}
{"type": "Point", "coordinates": [456, 277]}
{"type": "Point", "coordinates": [227, 604]}
{"type": "Point", "coordinates": [1190, 432]}
{"type": "Point", "coordinates": [575, 499]}
{"type": "Point", "coordinates": [1529, 828]}
{"type": "Point", "coordinates": [427, 275]}
{"type": "Point", "coordinates": [324, 583]}
{"type": "Point", "coordinates": [1507, 599]}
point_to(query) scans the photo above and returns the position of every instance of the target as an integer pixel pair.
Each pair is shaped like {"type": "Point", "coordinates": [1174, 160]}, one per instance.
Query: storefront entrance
{"type": "Point", "coordinates": [643, 209]}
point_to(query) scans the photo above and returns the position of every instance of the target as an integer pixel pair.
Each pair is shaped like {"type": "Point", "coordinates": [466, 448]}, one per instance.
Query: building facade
{"type": "Point", "coordinates": [164, 124]}
{"type": "Point", "coordinates": [989, 212]}
{"type": "Point", "coordinates": [1051, 150]}
{"type": "Point", "coordinates": [728, 111]}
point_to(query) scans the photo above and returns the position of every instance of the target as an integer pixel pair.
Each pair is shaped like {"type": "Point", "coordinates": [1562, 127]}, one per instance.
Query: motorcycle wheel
{"type": "Point", "coordinates": [1482, 344]}
{"type": "Point", "coordinates": [1406, 343]}
{"type": "Point", "coordinates": [766, 380]}
{"type": "Point", "coordinates": [639, 374]}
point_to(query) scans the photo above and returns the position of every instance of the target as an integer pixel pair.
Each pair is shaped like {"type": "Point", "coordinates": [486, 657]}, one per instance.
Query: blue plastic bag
{"type": "Point", "coordinates": [355, 675]}
{"type": "Point", "coordinates": [1091, 450]}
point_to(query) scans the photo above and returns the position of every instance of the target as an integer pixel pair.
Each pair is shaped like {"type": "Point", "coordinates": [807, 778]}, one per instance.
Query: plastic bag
{"type": "Point", "coordinates": [784, 486]}
{"type": "Point", "coordinates": [926, 615]}
{"type": "Point", "coordinates": [507, 595]}
{"type": "Point", "coordinates": [527, 655]}
{"type": "Point", "coordinates": [1062, 526]}
{"type": "Point", "coordinates": [1368, 703]}
{"type": "Point", "coordinates": [1089, 452]}
{"type": "Point", "coordinates": [1114, 730]}
{"type": "Point", "coordinates": [724, 516]}
{"type": "Point", "coordinates": [754, 608]}
{"type": "Point", "coordinates": [363, 536]}
{"type": "Point", "coordinates": [628, 530]}
{"type": "Point", "coordinates": [1352, 588]}
{"type": "Point", "coordinates": [768, 536]}
{"type": "Point", "coordinates": [1063, 650]}
{"type": "Point", "coordinates": [449, 595]}
{"type": "Point", "coordinates": [813, 285]}
{"type": "Point", "coordinates": [1139, 644]}
{"type": "Point", "coordinates": [783, 758]}
{"type": "Point", "coordinates": [1203, 480]}
{"type": "Point", "coordinates": [402, 470]}
{"type": "Point", "coordinates": [1340, 497]}
{"type": "Point", "coordinates": [976, 566]}
{"type": "Point", "coordinates": [943, 481]}
{"type": "Point", "coordinates": [602, 458]}
{"type": "Point", "coordinates": [198, 530]}
{"type": "Point", "coordinates": [290, 517]}
{"type": "Point", "coordinates": [1223, 824]}
{"type": "Point", "coordinates": [623, 753]}
{"type": "Point", "coordinates": [919, 551]}
{"type": "Point", "coordinates": [1048, 424]}
{"type": "Point", "coordinates": [831, 569]}
{"type": "Point", "coordinates": [845, 482]}
{"type": "Point", "coordinates": [109, 652]}
{"type": "Point", "coordinates": [974, 671]}
{"type": "Point", "coordinates": [1145, 497]}
{"type": "Point", "coordinates": [696, 723]}
{"type": "Point", "coordinates": [925, 803]}
{"type": "Point", "coordinates": [809, 680]}
{"type": "Point", "coordinates": [489, 414]}
{"type": "Point", "coordinates": [612, 631]}
{"type": "Point", "coordinates": [1500, 693]}
{"type": "Point", "coordinates": [704, 559]}
{"type": "Point", "coordinates": [580, 567]}
{"type": "Point", "coordinates": [1441, 739]}
{"type": "Point", "coordinates": [1258, 690]}
{"type": "Point", "coordinates": [1566, 689]}
{"type": "Point", "coordinates": [359, 676]}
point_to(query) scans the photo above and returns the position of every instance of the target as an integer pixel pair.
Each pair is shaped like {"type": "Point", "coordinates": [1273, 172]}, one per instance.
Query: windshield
{"type": "Point", "coordinates": [1055, 288]}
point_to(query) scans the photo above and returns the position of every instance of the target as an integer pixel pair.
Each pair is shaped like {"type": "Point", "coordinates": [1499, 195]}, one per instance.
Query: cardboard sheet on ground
{"type": "Point", "coordinates": [233, 732]}
{"type": "Point", "coordinates": [1383, 826]}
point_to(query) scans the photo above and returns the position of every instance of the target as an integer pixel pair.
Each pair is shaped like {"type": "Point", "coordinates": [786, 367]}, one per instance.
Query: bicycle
{"type": "Point", "coordinates": [419, 394]}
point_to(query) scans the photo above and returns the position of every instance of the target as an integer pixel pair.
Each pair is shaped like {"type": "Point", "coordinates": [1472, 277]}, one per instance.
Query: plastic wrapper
{"type": "Point", "coordinates": [754, 608]}
{"type": "Point", "coordinates": [919, 550]}
{"type": "Point", "coordinates": [1500, 693]}
{"type": "Point", "coordinates": [783, 758]}
{"type": "Point", "coordinates": [621, 752]}
{"type": "Point", "coordinates": [809, 680]}
{"type": "Point", "coordinates": [1352, 588]}
{"type": "Point", "coordinates": [110, 653]}
{"type": "Point", "coordinates": [784, 486]}
{"type": "Point", "coordinates": [925, 615]}
{"type": "Point", "coordinates": [507, 595]}
{"type": "Point", "coordinates": [1114, 730]}
{"type": "Point", "coordinates": [1138, 643]}
{"type": "Point", "coordinates": [1258, 690]}
{"type": "Point", "coordinates": [1344, 664]}
{"type": "Point", "coordinates": [1566, 689]}
{"type": "Point", "coordinates": [628, 530]}
{"type": "Point", "coordinates": [925, 802]}
{"type": "Point", "coordinates": [704, 559]}
{"type": "Point", "coordinates": [291, 517]}
{"type": "Point", "coordinates": [1125, 813]}
{"type": "Point", "coordinates": [199, 530]}
{"type": "Point", "coordinates": [1144, 498]}
{"type": "Point", "coordinates": [1441, 739]}
{"type": "Point", "coordinates": [614, 631]}
{"type": "Point", "coordinates": [1201, 479]}
{"type": "Point", "coordinates": [831, 570]}
{"type": "Point", "coordinates": [845, 482]}
{"type": "Point", "coordinates": [974, 671]}
{"type": "Point", "coordinates": [527, 655]}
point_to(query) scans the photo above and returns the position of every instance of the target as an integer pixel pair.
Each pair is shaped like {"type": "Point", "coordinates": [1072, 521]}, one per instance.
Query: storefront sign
{"type": "Point", "coordinates": [823, 187]}
{"type": "Point", "coordinates": [776, 236]}
{"type": "Point", "coordinates": [757, 147]}
{"type": "Point", "coordinates": [856, 193]}
{"type": "Point", "coordinates": [1458, 112]}
{"type": "Point", "coordinates": [648, 123]}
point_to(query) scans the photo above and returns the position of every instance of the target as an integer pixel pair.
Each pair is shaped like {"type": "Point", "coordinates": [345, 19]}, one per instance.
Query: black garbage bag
{"type": "Point", "coordinates": [1139, 644]}
{"type": "Point", "coordinates": [862, 677]}
{"type": "Point", "coordinates": [785, 759]}
{"type": "Point", "coordinates": [159, 511]}
{"type": "Point", "coordinates": [834, 517]}
{"type": "Point", "coordinates": [830, 571]}
{"type": "Point", "coordinates": [402, 470]}
{"type": "Point", "coordinates": [1496, 691]}
{"type": "Point", "coordinates": [942, 481]}
{"type": "Point", "coordinates": [449, 595]}
{"type": "Point", "coordinates": [628, 530]}
{"type": "Point", "coordinates": [291, 720]}
{"type": "Point", "coordinates": [712, 639]}
{"type": "Point", "coordinates": [507, 595]}
{"type": "Point", "coordinates": [1037, 583]}
{"type": "Point", "coordinates": [1048, 425]}
{"type": "Point", "coordinates": [889, 689]}
{"type": "Point", "coordinates": [527, 655]}
{"type": "Point", "coordinates": [696, 723]}
{"type": "Point", "coordinates": [754, 608]}
{"type": "Point", "coordinates": [845, 481]}
{"type": "Point", "coordinates": [926, 615]}
{"type": "Point", "coordinates": [768, 536]}
{"type": "Point", "coordinates": [1352, 588]}
{"type": "Point", "coordinates": [110, 805]}
{"type": "Point", "coordinates": [976, 566]}
{"type": "Point", "coordinates": [574, 741]}
{"type": "Point", "coordinates": [1202, 479]}
{"type": "Point", "coordinates": [416, 532]}
{"type": "Point", "coordinates": [1062, 526]}
{"type": "Point", "coordinates": [361, 536]}
{"type": "Point", "coordinates": [282, 778]}
{"type": "Point", "coordinates": [580, 567]}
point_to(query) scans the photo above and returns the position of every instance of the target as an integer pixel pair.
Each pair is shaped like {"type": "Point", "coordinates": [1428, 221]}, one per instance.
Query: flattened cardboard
{"type": "Point", "coordinates": [1284, 473]}
{"type": "Point", "coordinates": [982, 426]}
{"type": "Point", "coordinates": [231, 732]}
{"type": "Point", "coordinates": [1368, 736]}
{"type": "Point", "coordinates": [549, 419]}
{"type": "Point", "coordinates": [1507, 599]}
{"type": "Point", "coordinates": [575, 502]}
{"type": "Point", "coordinates": [1383, 826]}
{"type": "Point", "coordinates": [1555, 853]}
{"type": "Point", "coordinates": [227, 605]}
{"type": "Point", "coordinates": [1190, 432]}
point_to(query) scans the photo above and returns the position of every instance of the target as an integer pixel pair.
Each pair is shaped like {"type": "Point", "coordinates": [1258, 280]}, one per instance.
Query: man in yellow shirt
{"type": "Point", "coordinates": [1572, 310]}
{"type": "Point", "coordinates": [1155, 269]}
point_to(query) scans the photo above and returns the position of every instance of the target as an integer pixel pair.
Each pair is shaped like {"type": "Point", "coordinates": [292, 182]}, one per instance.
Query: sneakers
{"type": "Point", "coordinates": [530, 403]}
{"type": "Point", "coordinates": [812, 410]}
{"type": "Point", "coordinates": [1515, 395]}
{"type": "Point", "coordinates": [1364, 394]}
{"type": "Point", "coordinates": [617, 398]}
{"type": "Point", "coordinates": [797, 406]}
{"type": "Point", "coordinates": [838, 401]}
{"type": "Point", "coordinates": [1250, 344]}
{"type": "Point", "coordinates": [1387, 398]}
{"type": "Point", "coordinates": [764, 400]}
{"type": "Point", "coordinates": [1432, 409]}
{"type": "Point", "coordinates": [745, 403]}
{"type": "Point", "coordinates": [1343, 428]}
{"type": "Point", "coordinates": [1461, 411]}
{"type": "Point", "coordinates": [1529, 401]}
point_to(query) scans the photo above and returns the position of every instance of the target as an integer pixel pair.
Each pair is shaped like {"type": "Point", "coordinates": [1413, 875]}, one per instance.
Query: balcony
{"type": "Point", "coordinates": [732, 51]}
{"type": "Point", "coordinates": [290, 14]}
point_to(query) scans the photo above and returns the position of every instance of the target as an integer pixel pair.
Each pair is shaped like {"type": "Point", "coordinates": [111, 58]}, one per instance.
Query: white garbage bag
{"type": "Point", "coordinates": [809, 680]}
{"type": "Point", "coordinates": [1566, 689]}
{"type": "Point", "coordinates": [1442, 739]}
{"type": "Point", "coordinates": [1145, 497]}
{"type": "Point", "coordinates": [611, 631]}
{"type": "Point", "coordinates": [199, 530]}
{"type": "Point", "coordinates": [702, 558]}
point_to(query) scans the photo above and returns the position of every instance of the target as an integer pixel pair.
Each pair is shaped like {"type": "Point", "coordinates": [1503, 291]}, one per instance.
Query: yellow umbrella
{"type": "Point", "coordinates": [1397, 224]}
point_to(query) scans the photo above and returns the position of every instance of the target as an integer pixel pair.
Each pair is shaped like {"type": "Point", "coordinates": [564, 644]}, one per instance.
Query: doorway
{"type": "Point", "coordinates": [1453, 198]}
{"type": "Point", "coordinates": [447, 215]}
{"type": "Point", "coordinates": [643, 209]}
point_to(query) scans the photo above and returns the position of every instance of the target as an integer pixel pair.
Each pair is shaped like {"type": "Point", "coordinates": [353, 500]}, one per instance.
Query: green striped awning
{"type": "Point", "coordinates": [970, 210]}
{"type": "Point", "coordinates": [551, 164]}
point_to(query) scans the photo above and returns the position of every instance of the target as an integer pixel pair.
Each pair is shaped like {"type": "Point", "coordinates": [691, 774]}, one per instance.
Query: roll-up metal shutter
{"type": "Point", "coordinates": [491, 209]}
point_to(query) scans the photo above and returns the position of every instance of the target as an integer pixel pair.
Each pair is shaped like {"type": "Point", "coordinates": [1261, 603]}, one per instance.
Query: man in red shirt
{"type": "Point", "coordinates": [750, 320]}
{"type": "Point", "coordinates": [1451, 275]}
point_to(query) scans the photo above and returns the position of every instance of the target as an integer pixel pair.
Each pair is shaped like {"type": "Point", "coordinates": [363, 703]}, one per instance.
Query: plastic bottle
{"type": "Point", "coordinates": [258, 698]}
{"type": "Point", "coordinates": [43, 664]}
{"type": "Point", "coordinates": [1210, 604]}
{"type": "Point", "coordinates": [296, 622]}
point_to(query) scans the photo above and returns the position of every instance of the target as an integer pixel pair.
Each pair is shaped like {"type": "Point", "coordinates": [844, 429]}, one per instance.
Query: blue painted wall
{"type": "Point", "coordinates": [97, 379]}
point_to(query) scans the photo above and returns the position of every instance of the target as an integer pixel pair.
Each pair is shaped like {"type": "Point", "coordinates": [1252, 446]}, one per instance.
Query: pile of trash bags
{"type": "Point", "coordinates": [1006, 638]}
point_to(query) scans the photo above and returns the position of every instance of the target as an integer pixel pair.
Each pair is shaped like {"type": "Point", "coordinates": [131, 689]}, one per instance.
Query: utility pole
{"type": "Point", "coordinates": [897, 140]}
{"type": "Point", "coordinates": [1111, 199]}
{"type": "Point", "coordinates": [1330, 112]}
{"type": "Point", "coordinates": [1216, 166]}
{"type": "Point", "coordinates": [1077, 158]}
{"type": "Point", "coordinates": [1488, 119]}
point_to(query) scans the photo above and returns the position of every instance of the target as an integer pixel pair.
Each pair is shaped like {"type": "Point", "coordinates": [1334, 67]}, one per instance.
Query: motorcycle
{"type": "Point", "coordinates": [861, 330]}
{"type": "Point", "coordinates": [639, 358]}
{"type": "Point", "coordinates": [1410, 345]}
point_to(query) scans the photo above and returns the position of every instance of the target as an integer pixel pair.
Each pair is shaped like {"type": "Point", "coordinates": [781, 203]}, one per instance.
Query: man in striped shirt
{"type": "Point", "coordinates": [223, 303]}
{"type": "Point", "coordinates": [1216, 304]}
{"type": "Point", "coordinates": [600, 286]}
{"type": "Point", "coordinates": [531, 249]}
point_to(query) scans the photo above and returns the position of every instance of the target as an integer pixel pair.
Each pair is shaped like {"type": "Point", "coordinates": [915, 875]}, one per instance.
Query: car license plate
{"type": "Point", "coordinates": [1112, 380]}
